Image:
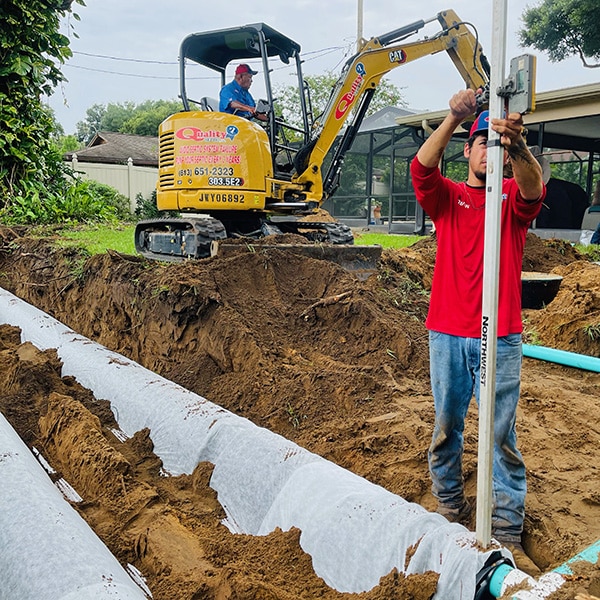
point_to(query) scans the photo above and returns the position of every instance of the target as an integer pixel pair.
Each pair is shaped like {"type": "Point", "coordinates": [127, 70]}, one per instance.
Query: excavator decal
{"type": "Point", "coordinates": [199, 135]}
{"type": "Point", "coordinates": [398, 56]}
{"type": "Point", "coordinates": [346, 102]}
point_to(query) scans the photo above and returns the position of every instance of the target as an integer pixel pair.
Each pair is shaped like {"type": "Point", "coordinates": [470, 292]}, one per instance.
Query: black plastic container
{"type": "Point", "coordinates": [538, 289]}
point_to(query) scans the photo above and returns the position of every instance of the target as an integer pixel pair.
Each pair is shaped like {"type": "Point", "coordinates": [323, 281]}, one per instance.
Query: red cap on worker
{"type": "Point", "coordinates": [244, 68]}
{"type": "Point", "coordinates": [481, 123]}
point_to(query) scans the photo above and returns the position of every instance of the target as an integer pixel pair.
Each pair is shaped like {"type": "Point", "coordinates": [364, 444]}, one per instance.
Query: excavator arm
{"type": "Point", "coordinates": [359, 79]}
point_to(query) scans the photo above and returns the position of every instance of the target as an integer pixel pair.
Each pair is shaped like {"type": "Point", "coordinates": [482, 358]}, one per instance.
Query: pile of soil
{"type": "Point", "coordinates": [306, 349]}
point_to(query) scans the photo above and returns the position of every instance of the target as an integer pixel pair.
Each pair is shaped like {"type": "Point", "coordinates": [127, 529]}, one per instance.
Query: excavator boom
{"type": "Point", "coordinates": [362, 74]}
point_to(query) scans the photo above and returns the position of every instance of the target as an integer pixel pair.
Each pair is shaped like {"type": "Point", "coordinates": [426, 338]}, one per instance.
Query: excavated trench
{"type": "Point", "coordinates": [303, 348]}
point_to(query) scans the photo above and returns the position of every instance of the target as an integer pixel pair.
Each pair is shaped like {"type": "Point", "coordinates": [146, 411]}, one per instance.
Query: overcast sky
{"type": "Point", "coordinates": [127, 49]}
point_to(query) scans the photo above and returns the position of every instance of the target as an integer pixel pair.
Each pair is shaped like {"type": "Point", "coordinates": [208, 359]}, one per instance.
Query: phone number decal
{"type": "Point", "coordinates": [214, 171]}
{"type": "Point", "coordinates": [226, 181]}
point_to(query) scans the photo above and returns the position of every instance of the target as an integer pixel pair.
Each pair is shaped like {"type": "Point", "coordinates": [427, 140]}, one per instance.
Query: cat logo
{"type": "Point", "coordinates": [397, 56]}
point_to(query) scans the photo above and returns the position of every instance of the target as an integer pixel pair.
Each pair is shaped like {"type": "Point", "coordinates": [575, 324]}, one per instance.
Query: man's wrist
{"type": "Point", "coordinates": [518, 150]}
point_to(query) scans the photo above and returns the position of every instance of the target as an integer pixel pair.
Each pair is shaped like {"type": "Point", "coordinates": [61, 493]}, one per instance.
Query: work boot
{"type": "Point", "coordinates": [521, 560]}
{"type": "Point", "coordinates": [455, 514]}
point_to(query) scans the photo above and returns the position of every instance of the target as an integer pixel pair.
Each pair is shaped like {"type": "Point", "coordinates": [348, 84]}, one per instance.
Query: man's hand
{"type": "Point", "coordinates": [510, 130]}
{"type": "Point", "coordinates": [258, 115]}
{"type": "Point", "coordinates": [526, 170]}
{"type": "Point", "coordinates": [463, 104]}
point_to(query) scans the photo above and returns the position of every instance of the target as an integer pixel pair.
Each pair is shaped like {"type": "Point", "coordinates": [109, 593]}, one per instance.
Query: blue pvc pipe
{"type": "Point", "coordinates": [571, 359]}
{"type": "Point", "coordinates": [497, 580]}
{"type": "Point", "coordinates": [591, 555]}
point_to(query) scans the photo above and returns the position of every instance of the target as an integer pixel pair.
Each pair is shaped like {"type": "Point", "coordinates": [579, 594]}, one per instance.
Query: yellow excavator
{"type": "Point", "coordinates": [233, 177]}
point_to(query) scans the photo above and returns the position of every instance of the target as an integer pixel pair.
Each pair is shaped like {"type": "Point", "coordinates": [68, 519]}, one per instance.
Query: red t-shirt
{"type": "Point", "coordinates": [458, 212]}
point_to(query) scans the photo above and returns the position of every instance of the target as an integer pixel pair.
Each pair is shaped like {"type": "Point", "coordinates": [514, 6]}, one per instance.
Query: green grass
{"type": "Point", "coordinates": [386, 240]}
{"type": "Point", "coordinates": [96, 239]}
{"type": "Point", "coordinates": [99, 238]}
{"type": "Point", "coordinates": [592, 251]}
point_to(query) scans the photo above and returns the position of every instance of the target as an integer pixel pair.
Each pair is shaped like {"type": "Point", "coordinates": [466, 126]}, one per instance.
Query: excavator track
{"type": "Point", "coordinates": [178, 239]}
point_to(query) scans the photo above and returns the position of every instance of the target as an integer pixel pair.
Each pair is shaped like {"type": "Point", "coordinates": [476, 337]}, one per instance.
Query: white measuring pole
{"type": "Point", "coordinates": [359, 24]}
{"type": "Point", "coordinates": [491, 265]}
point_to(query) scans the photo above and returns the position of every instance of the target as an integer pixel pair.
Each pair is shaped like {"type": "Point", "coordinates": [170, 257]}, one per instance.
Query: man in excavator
{"type": "Point", "coordinates": [455, 311]}
{"type": "Point", "coordinates": [235, 97]}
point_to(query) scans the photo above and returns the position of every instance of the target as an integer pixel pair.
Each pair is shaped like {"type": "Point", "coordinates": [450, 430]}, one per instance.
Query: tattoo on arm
{"type": "Point", "coordinates": [520, 152]}
{"type": "Point", "coordinates": [525, 171]}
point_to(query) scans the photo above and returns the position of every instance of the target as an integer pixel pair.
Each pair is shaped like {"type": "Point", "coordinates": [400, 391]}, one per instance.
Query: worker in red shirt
{"type": "Point", "coordinates": [455, 312]}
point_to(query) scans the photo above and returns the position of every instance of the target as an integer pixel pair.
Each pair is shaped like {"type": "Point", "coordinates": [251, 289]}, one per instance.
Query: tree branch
{"type": "Point", "coordinates": [585, 63]}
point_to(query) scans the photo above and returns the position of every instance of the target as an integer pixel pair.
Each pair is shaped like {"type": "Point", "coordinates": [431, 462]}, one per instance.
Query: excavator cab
{"type": "Point", "coordinates": [266, 50]}
{"type": "Point", "coordinates": [230, 176]}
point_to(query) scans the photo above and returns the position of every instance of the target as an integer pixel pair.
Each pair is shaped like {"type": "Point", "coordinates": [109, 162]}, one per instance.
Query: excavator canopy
{"type": "Point", "coordinates": [216, 49]}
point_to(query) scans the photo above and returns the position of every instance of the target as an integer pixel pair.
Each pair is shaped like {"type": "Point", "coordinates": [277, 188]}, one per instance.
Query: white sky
{"type": "Point", "coordinates": [152, 30]}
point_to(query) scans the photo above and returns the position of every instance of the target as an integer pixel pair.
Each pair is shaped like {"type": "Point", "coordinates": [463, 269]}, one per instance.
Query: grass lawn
{"type": "Point", "coordinates": [98, 238]}
{"type": "Point", "coordinates": [386, 240]}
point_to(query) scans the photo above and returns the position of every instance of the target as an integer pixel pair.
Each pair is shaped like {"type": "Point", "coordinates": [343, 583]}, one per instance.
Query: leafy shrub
{"type": "Point", "coordinates": [34, 183]}
{"type": "Point", "coordinates": [111, 197]}
{"type": "Point", "coordinates": [146, 208]}
{"type": "Point", "coordinates": [76, 201]}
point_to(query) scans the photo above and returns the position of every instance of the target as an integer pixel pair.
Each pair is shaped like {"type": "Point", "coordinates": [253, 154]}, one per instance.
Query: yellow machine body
{"type": "Point", "coordinates": [212, 161]}
{"type": "Point", "coordinates": [231, 177]}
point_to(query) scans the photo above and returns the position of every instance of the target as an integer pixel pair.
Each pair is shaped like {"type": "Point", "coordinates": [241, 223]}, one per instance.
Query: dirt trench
{"type": "Point", "coordinates": [303, 348]}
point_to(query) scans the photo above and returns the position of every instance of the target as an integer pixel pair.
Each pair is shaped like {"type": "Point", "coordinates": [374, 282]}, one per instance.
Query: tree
{"type": "Point", "coordinates": [149, 115]}
{"type": "Point", "coordinates": [564, 28]}
{"type": "Point", "coordinates": [137, 119]}
{"type": "Point", "coordinates": [87, 128]}
{"type": "Point", "coordinates": [35, 184]}
{"type": "Point", "coordinates": [31, 50]}
{"type": "Point", "coordinates": [288, 97]}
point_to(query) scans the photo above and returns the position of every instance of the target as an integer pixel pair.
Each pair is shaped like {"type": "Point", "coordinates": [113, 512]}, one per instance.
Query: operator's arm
{"type": "Point", "coordinates": [235, 105]}
{"type": "Point", "coordinates": [462, 105]}
{"type": "Point", "coordinates": [526, 170]}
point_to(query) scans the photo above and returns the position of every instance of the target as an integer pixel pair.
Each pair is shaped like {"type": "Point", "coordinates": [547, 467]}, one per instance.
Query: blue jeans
{"type": "Point", "coordinates": [454, 369]}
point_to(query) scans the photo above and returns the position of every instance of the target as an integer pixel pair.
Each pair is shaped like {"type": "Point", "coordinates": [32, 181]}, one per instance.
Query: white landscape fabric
{"type": "Point", "coordinates": [48, 551]}
{"type": "Point", "coordinates": [355, 532]}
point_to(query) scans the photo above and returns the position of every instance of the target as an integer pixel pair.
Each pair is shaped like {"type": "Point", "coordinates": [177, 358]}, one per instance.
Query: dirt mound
{"type": "Point", "coordinates": [304, 348]}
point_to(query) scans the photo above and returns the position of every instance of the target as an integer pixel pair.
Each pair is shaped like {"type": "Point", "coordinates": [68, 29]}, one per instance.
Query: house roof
{"type": "Point", "coordinates": [116, 148]}
{"type": "Point", "coordinates": [384, 119]}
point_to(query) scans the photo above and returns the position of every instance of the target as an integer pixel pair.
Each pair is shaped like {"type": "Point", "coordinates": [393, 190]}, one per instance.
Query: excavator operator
{"type": "Point", "coordinates": [235, 97]}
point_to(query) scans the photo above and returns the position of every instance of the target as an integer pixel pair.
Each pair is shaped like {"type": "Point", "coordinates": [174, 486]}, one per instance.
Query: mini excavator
{"type": "Point", "coordinates": [232, 177]}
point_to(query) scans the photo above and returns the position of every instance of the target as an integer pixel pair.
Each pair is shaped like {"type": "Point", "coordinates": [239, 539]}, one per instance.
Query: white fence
{"type": "Point", "coordinates": [129, 179]}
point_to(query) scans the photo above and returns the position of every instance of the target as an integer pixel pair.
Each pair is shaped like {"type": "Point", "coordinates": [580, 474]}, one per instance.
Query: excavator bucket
{"type": "Point", "coordinates": [362, 261]}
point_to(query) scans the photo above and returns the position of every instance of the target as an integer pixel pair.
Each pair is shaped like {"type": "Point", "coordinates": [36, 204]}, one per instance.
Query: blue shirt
{"type": "Point", "coordinates": [234, 91]}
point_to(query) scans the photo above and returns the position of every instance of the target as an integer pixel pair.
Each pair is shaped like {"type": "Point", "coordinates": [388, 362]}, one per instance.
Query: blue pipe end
{"type": "Point", "coordinates": [563, 357]}
{"type": "Point", "coordinates": [497, 579]}
{"type": "Point", "coordinates": [590, 554]}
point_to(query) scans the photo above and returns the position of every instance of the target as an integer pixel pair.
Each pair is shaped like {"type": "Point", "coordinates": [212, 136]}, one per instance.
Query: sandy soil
{"type": "Point", "coordinates": [304, 348]}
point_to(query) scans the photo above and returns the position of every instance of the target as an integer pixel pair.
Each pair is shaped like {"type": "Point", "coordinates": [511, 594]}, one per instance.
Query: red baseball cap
{"type": "Point", "coordinates": [481, 123]}
{"type": "Point", "coordinates": [244, 68]}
